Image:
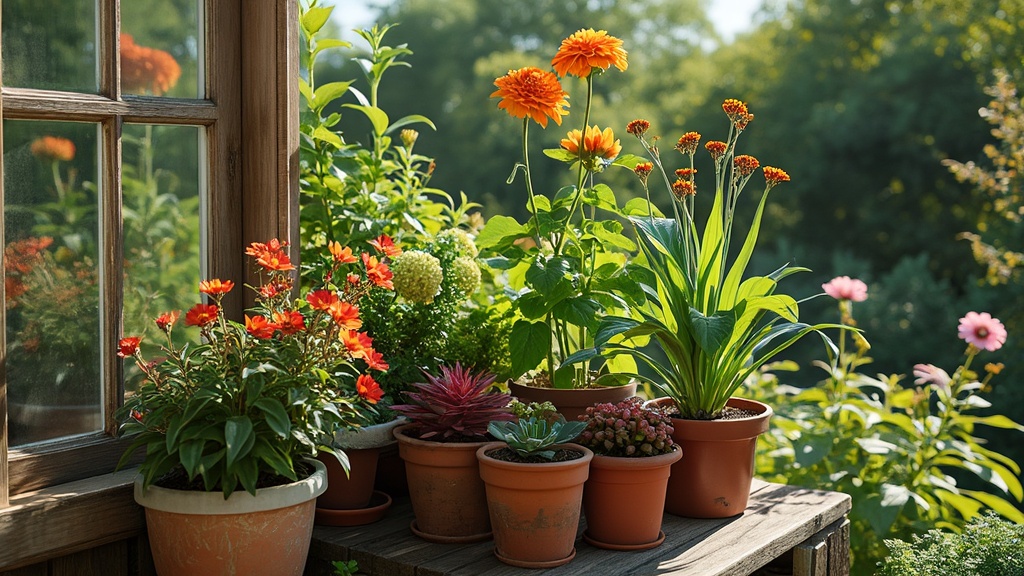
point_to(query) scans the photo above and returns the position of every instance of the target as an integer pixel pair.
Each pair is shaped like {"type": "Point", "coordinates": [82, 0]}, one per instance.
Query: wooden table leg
{"type": "Point", "coordinates": [827, 553]}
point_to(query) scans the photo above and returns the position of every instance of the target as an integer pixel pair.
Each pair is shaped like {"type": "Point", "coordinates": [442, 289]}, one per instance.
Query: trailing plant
{"type": "Point", "coordinates": [988, 546]}
{"type": "Point", "coordinates": [534, 437]}
{"type": "Point", "coordinates": [457, 405]}
{"type": "Point", "coordinates": [251, 401]}
{"type": "Point", "coordinates": [626, 429]}
{"type": "Point", "coordinates": [903, 451]}
{"type": "Point", "coordinates": [714, 326]}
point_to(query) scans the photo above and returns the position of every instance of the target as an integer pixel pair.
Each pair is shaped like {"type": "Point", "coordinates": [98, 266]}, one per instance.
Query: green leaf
{"type": "Point", "coordinates": [528, 345]}
{"type": "Point", "coordinates": [277, 417]}
{"type": "Point", "coordinates": [324, 134]}
{"type": "Point", "coordinates": [306, 92]}
{"type": "Point", "coordinates": [190, 452]}
{"type": "Point", "coordinates": [315, 18]}
{"type": "Point", "coordinates": [608, 232]}
{"type": "Point", "coordinates": [410, 119]}
{"type": "Point", "coordinates": [629, 161]}
{"type": "Point", "coordinates": [711, 332]}
{"type": "Point", "coordinates": [545, 275]}
{"type": "Point", "coordinates": [601, 196]}
{"type": "Point", "coordinates": [328, 93]}
{"type": "Point", "coordinates": [578, 311]}
{"type": "Point", "coordinates": [998, 504]}
{"type": "Point", "coordinates": [996, 420]}
{"type": "Point", "coordinates": [813, 448]}
{"type": "Point", "coordinates": [562, 155]}
{"type": "Point", "coordinates": [328, 43]}
{"type": "Point", "coordinates": [881, 509]}
{"type": "Point", "coordinates": [375, 115]}
{"type": "Point", "coordinates": [500, 231]}
{"type": "Point", "coordinates": [640, 207]}
{"type": "Point", "coordinates": [238, 437]}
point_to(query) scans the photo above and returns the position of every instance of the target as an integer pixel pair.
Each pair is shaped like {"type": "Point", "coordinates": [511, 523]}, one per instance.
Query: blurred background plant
{"type": "Point", "coordinates": [904, 451]}
{"type": "Point", "coordinates": [988, 546]}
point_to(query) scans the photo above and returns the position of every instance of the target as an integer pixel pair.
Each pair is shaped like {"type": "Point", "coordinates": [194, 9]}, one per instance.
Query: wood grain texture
{"type": "Point", "coordinates": [777, 519]}
{"type": "Point", "coordinates": [839, 551]}
{"type": "Point", "coordinates": [33, 104]}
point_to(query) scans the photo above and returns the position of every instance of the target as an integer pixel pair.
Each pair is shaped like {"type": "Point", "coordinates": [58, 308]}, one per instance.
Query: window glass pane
{"type": "Point", "coordinates": [161, 184]}
{"type": "Point", "coordinates": [161, 56]}
{"type": "Point", "coordinates": [51, 278]}
{"type": "Point", "coordinates": [50, 44]}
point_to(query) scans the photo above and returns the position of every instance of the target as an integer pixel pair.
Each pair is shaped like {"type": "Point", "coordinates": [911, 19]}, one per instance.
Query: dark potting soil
{"type": "Point", "coordinates": [509, 455]}
{"type": "Point", "coordinates": [728, 413]}
{"type": "Point", "coordinates": [177, 479]}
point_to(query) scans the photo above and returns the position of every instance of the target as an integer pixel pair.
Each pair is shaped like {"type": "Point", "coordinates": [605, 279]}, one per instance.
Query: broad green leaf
{"type": "Point", "coordinates": [324, 134]}
{"type": "Point", "coordinates": [500, 230]}
{"type": "Point", "coordinates": [628, 161]}
{"type": "Point", "coordinates": [328, 43]}
{"type": "Point", "coordinates": [711, 332]}
{"type": "Point", "coordinates": [561, 154]}
{"type": "Point", "coordinates": [881, 509]}
{"type": "Point", "coordinates": [578, 311]}
{"type": "Point", "coordinates": [875, 445]}
{"type": "Point", "coordinates": [546, 274]}
{"type": "Point", "coordinates": [410, 119]}
{"type": "Point", "coordinates": [238, 438]}
{"type": "Point", "coordinates": [328, 93]}
{"type": "Point", "coordinates": [608, 232]}
{"type": "Point", "coordinates": [315, 18]}
{"type": "Point", "coordinates": [528, 345]}
{"type": "Point", "coordinates": [812, 449]}
{"type": "Point", "coordinates": [640, 207]}
{"type": "Point", "coordinates": [377, 117]}
{"type": "Point", "coordinates": [601, 196]}
{"type": "Point", "coordinates": [277, 417]}
{"type": "Point", "coordinates": [190, 452]}
{"type": "Point", "coordinates": [306, 92]}
{"type": "Point", "coordinates": [612, 326]}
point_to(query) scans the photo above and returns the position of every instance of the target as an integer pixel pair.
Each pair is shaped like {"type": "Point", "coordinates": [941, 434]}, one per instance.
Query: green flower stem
{"type": "Point", "coordinates": [529, 180]}
{"type": "Point", "coordinates": [582, 172]}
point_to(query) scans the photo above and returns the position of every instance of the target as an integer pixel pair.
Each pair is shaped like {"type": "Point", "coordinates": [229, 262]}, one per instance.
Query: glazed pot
{"type": "Point", "coordinates": [534, 507]}
{"type": "Point", "coordinates": [192, 532]}
{"type": "Point", "coordinates": [445, 489]}
{"type": "Point", "coordinates": [572, 402]}
{"type": "Point", "coordinates": [624, 500]}
{"type": "Point", "coordinates": [712, 479]}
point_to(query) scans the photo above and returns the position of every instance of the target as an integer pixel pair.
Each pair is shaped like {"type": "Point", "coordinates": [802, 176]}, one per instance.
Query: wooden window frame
{"type": "Point", "coordinates": [250, 116]}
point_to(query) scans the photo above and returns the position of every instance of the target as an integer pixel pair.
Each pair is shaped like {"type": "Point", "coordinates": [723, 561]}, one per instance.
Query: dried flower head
{"type": "Point", "coordinates": [53, 148]}
{"type": "Point", "coordinates": [534, 93]}
{"type": "Point", "coordinates": [638, 127]}
{"type": "Point", "coordinates": [735, 109]}
{"type": "Point", "coordinates": [586, 50]}
{"type": "Point", "coordinates": [417, 276]}
{"type": "Point", "coordinates": [686, 173]}
{"type": "Point", "coordinates": [687, 143]}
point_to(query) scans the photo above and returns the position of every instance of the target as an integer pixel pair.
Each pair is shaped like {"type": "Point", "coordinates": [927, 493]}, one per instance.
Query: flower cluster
{"type": "Point", "coordinates": [145, 69]}
{"type": "Point", "coordinates": [285, 380]}
{"type": "Point", "coordinates": [626, 429]}
{"type": "Point", "coordinates": [53, 148]}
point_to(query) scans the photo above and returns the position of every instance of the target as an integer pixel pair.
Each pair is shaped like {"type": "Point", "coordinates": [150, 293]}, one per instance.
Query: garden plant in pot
{"type": "Point", "coordinates": [230, 425]}
{"type": "Point", "coordinates": [534, 481]}
{"type": "Point", "coordinates": [633, 455]}
{"type": "Point", "coordinates": [569, 262]}
{"type": "Point", "coordinates": [448, 417]}
{"type": "Point", "coordinates": [714, 328]}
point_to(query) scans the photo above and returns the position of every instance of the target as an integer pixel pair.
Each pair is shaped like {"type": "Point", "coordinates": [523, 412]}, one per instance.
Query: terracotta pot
{"type": "Point", "coordinates": [534, 508]}
{"type": "Point", "coordinates": [354, 489]}
{"type": "Point", "coordinates": [445, 489]}
{"type": "Point", "coordinates": [712, 479]}
{"type": "Point", "coordinates": [572, 402]}
{"type": "Point", "coordinates": [202, 533]}
{"type": "Point", "coordinates": [624, 500]}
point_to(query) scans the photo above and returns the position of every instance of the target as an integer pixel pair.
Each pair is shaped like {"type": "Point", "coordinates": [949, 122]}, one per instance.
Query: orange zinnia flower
{"type": "Point", "coordinates": [378, 272]}
{"type": "Point", "coordinates": [368, 389]}
{"type": "Point", "coordinates": [375, 360]}
{"type": "Point", "coordinates": [259, 327]}
{"type": "Point", "coordinates": [385, 245]}
{"type": "Point", "coordinates": [201, 315]}
{"type": "Point", "coordinates": [145, 69]}
{"type": "Point", "coordinates": [596, 144]}
{"type": "Point", "coordinates": [532, 92]}
{"type": "Point", "coordinates": [53, 148]}
{"type": "Point", "coordinates": [322, 299]}
{"type": "Point", "coordinates": [341, 254]}
{"type": "Point", "coordinates": [216, 287]}
{"type": "Point", "coordinates": [128, 346]}
{"type": "Point", "coordinates": [166, 320]}
{"type": "Point", "coordinates": [585, 50]}
{"type": "Point", "coordinates": [357, 343]}
{"type": "Point", "coordinates": [289, 322]}
{"type": "Point", "coordinates": [345, 315]}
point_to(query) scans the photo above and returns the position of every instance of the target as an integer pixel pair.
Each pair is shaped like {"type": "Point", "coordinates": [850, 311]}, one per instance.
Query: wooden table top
{"type": "Point", "coordinates": [777, 518]}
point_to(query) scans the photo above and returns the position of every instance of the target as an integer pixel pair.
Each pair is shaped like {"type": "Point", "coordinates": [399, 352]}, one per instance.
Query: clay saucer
{"type": "Point", "coordinates": [379, 504]}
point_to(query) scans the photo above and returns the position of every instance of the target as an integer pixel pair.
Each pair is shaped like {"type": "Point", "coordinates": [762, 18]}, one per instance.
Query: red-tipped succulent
{"type": "Point", "coordinates": [456, 406]}
{"type": "Point", "coordinates": [626, 429]}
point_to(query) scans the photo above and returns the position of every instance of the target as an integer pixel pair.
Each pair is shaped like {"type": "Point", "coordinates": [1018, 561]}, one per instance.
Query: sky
{"type": "Point", "coordinates": [729, 16]}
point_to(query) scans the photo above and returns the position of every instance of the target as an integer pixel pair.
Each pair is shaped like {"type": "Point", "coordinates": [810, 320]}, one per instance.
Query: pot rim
{"type": "Point", "coordinates": [638, 462]}
{"type": "Point", "coordinates": [588, 455]}
{"type": "Point", "coordinates": [375, 436]}
{"type": "Point", "coordinates": [401, 437]}
{"type": "Point", "coordinates": [721, 430]}
{"type": "Point", "coordinates": [240, 502]}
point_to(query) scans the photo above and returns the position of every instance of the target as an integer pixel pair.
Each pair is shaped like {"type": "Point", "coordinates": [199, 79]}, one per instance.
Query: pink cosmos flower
{"type": "Point", "coordinates": [982, 331]}
{"type": "Point", "coordinates": [931, 374]}
{"type": "Point", "coordinates": [846, 288]}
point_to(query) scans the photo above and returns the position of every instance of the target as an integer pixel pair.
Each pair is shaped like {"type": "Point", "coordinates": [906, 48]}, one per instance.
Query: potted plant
{"type": "Point", "coordinates": [714, 327]}
{"type": "Point", "coordinates": [230, 426]}
{"type": "Point", "coordinates": [448, 417]}
{"type": "Point", "coordinates": [633, 455]}
{"type": "Point", "coordinates": [534, 481]}
{"type": "Point", "coordinates": [571, 255]}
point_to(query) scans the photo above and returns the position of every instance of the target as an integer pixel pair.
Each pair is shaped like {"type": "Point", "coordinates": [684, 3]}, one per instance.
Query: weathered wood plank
{"type": "Point", "coordinates": [108, 560]}
{"type": "Point", "coordinates": [30, 103]}
{"type": "Point", "coordinates": [777, 519]}
{"type": "Point", "coordinates": [839, 550]}
{"type": "Point", "coordinates": [41, 569]}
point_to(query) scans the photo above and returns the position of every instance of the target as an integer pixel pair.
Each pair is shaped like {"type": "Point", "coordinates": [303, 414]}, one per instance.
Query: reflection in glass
{"type": "Point", "coordinates": [50, 44]}
{"type": "Point", "coordinates": [161, 56]}
{"type": "Point", "coordinates": [161, 184]}
{"type": "Point", "coordinates": [51, 280]}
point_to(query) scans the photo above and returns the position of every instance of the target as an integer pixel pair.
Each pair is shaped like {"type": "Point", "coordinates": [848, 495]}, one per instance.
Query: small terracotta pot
{"type": "Point", "coordinates": [534, 508]}
{"type": "Point", "coordinates": [352, 490]}
{"type": "Point", "coordinates": [445, 489]}
{"type": "Point", "coordinates": [712, 479]}
{"type": "Point", "coordinates": [572, 402]}
{"type": "Point", "coordinates": [202, 533]}
{"type": "Point", "coordinates": [624, 500]}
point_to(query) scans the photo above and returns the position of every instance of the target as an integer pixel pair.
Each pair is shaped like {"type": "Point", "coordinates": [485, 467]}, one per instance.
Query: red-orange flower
{"type": "Point", "coordinates": [272, 289]}
{"type": "Point", "coordinates": [385, 245]}
{"type": "Point", "coordinates": [271, 256]}
{"type": "Point", "coordinates": [368, 389]}
{"type": "Point", "coordinates": [734, 109]}
{"type": "Point", "coordinates": [378, 272]}
{"type": "Point", "coordinates": [585, 50]}
{"type": "Point", "coordinates": [289, 322]}
{"type": "Point", "coordinates": [638, 127]}
{"type": "Point", "coordinates": [773, 176]}
{"type": "Point", "coordinates": [745, 164]}
{"type": "Point", "coordinates": [341, 254]}
{"type": "Point", "coordinates": [128, 346]}
{"type": "Point", "coordinates": [357, 343]}
{"type": "Point", "coordinates": [145, 69]}
{"type": "Point", "coordinates": [216, 287]}
{"type": "Point", "coordinates": [683, 188]}
{"type": "Point", "coordinates": [201, 315]}
{"type": "Point", "coordinates": [643, 170]}
{"type": "Point", "coordinates": [716, 148]}
{"type": "Point", "coordinates": [259, 327]}
{"type": "Point", "coordinates": [322, 299]}
{"type": "Point", "coordinates": [345, 315]}
{"type": "Point", "coordinates": [53, 148]}
{"type": "Point", "coordinates": [532, 92]}
{"type": "Point", "coordinates": [688, 142]}
{"type": "Point", "coordinates": [596, 143]}
{"type": "Point", "coordinates": [166, 320]}
{"type": "Point", "coordinates": [375, 360]}
{"type": "Point", "coordinates": [686, 173]}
